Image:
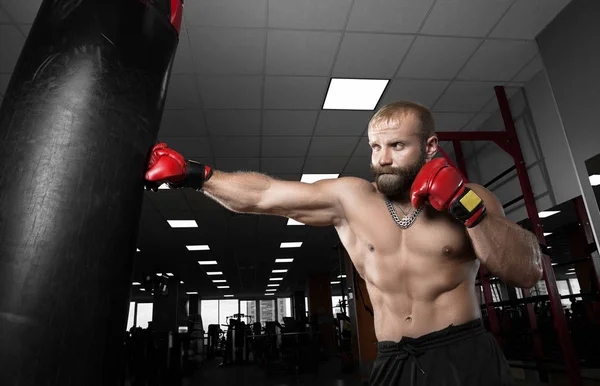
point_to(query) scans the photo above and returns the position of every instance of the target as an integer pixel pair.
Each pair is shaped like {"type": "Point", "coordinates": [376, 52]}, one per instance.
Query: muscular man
{"type": "Point", "coordinates": [417, 235]}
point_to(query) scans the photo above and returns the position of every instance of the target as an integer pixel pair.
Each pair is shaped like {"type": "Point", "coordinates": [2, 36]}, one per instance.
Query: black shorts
{"type": "Point", "coordinates": [462, 355]}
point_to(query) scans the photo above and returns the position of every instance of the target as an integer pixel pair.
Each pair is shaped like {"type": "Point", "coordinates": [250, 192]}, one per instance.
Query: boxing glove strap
{"type": "Point", "coordinates": [468, 208]}
{"type": "Point", "coordinates": [196, 175]}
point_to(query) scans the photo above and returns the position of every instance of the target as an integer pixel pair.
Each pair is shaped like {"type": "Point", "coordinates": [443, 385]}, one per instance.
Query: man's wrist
{"type": "Point", "coordinates": [468, 208]}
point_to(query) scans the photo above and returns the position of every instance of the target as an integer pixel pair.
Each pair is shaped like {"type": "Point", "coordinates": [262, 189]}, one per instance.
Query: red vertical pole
{"type": "Point", "coordinates": [483, 277]}
{"type": "Point", "coordinates": [560, 321]}
{"type": "Point", "coordinates": [587, 229]}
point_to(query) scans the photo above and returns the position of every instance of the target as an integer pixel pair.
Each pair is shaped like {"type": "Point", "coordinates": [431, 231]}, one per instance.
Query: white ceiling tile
{"type": "Point", "coordinates": [233, 122]}
{"type": "Point", "coordinates": [282, 165]}
{"type": "Point", "coordinates": [227, 50]}
{"type": "Point", "coordinates": [423, 60]}
{"type": "Point", "coordinates": [237, 164]}
{"type": "Point", "coordinates": [325, 165]}
{"type": "Point", "coordinates": [25, 28]}
{"type": "Point", "coordinates": [403, 16]}
{"type": "Point", "coordinates": [421, 91]}
{"type": "Point", "coordinates": [309, 14]}
{"type": "Point", "coordinates": [231, 92]}
{"type": "Point", "coordinates": [492, 105]}
{"type": "Point", "coordinates": [230, 13]}
{"type": "Point", "coordinates": [464, 17]}
{"type": "Point", "coordinates": [11, 43]}
{"type": "Point", "coordinates": [527, 18]}
{"type": "Point", "coordinates": [284, 146]}
{"type": "Point", "coordinates": [284, 122]}
{"type": "Point", "coordinates": [498, 60]}
{"type": "Point", "coordinates": [477, 122]}
{"type": "Point", "coordinates": [345, 123]}
{"type": "Point", "coordinates": [332, 146]}
{"type": "Point", "coordinates": [4, 80]}
{"type": "Point", "coordinates": [188, 146]}
{"type": "Point", "coordinates": [451, 121]}
{"type": "Point", "coordinates": [369, 55]}
{"type": "Point", "coordinates": [4, 16]}
{"type": "Point", "coordinates": [363, 149]}
{"type": "Point", "coordinates": [358, 165]}
{"type": "Point", "coordinates": [465, 97]}
{"type": "Point", "coordinates": [182, 92]}
{"type": "Point", "coordinates": [184, 123]}
{"type": "Point", "coordinates": [22, 11]}
{"type": "Point", "coordinates": [183, 63]}
{"type": "Point", "coordinates": [295, 92]}
{"type": "Point", "coordinates": [236, 147]}
{"type": "Point", "coordinates": [530, 70]}
{"type": "Point", "coordinates": [301, 52]}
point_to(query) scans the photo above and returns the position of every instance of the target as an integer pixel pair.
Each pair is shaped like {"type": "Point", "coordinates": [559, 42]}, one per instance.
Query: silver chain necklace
{"type": "Point", "coordinates": [407, 220]}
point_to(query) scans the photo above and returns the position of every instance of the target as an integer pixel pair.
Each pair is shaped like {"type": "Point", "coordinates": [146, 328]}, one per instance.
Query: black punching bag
{"type": "Point", "coordinates": [79, 117]}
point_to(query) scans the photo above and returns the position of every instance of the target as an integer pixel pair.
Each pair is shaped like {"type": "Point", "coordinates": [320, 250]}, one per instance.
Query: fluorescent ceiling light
{"type": "Point", "coordinates": [220, 281]}
{"type": "Point", "coordinates": [276, 279]}
{"type": "Point", "coordinates": [163, 186]}
{"type": "Point", "coordinates": [548, 213]}
{"type": "Point", "coordinates": [137, 249]}
{"type": "Point", "coordinates": [295, 244]}
{"type": "Point", "coordinates": [291, 221]}
{"type": "Point", "coordinates": [270, 290]}
{"type": "Point", "coordinates": [142, 289]}
{"type": "Point", "coordinates": [214, 273]}
{"type": "Point", "coordinates": [571, 269]}
{"type": "Point", "coordinates": [181, 282]}
{"type": "Point", "coordinates": [570, 273]}
{"type": "Point", "coordinates": [284, 260]}
{"type": "Point", "coordinates": [595, 179]}
{"type": "Point", "coordinates": [354, 94]}
{"type": "Point", "coordinates": [169, 274]}
{"type": "Point", "coordinates": [197, 247]}
{"type": "Point", "coordinates": [211, 262]}
{"type": "Point", "coordinates": [135, 283]}
{"type": "Point", "coordinates": [269, 293]}
{"type": "Point", "coordinates": [222, 286]}
{"type": "Point", "coordinates": [192, 293]}
{"type": "Point", "coordinates": [228, 296]}
{"type": "Point", "coordinates": [547, 233]}
{"type": "Point", "coordinates": [335, 282]}
{"type": "Point", "coordinates": [280, 270]}
{"type": "Point", "coordinates": [273, 285]}
{"type": "Point", "coordinates": [310, 178]}
{"type": "Point", "coordinates": [159, 274]}
{"type": "Point", "coordinates": [182, 223]}
{"type": "Point", "coordinates": [549, 246]}
{"type": "Point", "coordinates": [341, 276]}
{"type": "Point", "coordinates": [554, 263]}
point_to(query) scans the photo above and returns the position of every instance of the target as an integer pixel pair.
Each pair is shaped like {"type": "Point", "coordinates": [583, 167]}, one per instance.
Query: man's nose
{"type": "Point", "coordinates": [385, 158]}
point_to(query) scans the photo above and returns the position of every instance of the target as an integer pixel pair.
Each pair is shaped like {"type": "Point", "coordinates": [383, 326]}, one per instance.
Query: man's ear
{"type": "Point", "coordinates": [431, 147]}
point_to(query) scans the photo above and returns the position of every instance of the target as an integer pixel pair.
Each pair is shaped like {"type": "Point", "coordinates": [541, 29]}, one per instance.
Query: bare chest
{"type": "Point", "coordinates": [435, 246]}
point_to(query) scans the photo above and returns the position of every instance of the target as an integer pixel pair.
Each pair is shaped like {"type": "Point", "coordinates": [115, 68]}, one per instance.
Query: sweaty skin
{"type": "Point", "coordinates": [419, 279]}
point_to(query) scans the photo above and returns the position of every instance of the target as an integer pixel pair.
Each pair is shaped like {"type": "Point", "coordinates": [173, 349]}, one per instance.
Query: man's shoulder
{"type": "Point", "coordinates": [355, 183]}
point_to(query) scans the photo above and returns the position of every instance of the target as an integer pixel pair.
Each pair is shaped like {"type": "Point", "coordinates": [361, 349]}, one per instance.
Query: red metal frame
{"type": "Point", "coordinates": [509, 142]}
{"type": "Point", "coordinates": [584, 220]}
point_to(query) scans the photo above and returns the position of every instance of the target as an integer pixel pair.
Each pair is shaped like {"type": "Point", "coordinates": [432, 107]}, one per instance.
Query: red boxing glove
{"type": "Point", "coordinates": [444, 188]}
{"type": "Point", "coordinates": [167, 165]}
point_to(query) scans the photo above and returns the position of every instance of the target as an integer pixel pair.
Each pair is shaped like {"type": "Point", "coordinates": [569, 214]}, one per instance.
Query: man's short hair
{"type": "Point", "coordinates": [395, 112]}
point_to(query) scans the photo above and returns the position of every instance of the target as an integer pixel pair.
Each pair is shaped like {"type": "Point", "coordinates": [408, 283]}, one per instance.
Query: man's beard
{"type": "Point", "coordinates": [395, 182]}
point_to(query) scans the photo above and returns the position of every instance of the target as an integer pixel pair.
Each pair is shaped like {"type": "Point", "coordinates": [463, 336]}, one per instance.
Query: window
{"type": "Point", "coordinates": [284, 308]}
{"type": "Point", "coordinates": [209, 310]}
{"type": "Point", "coordinates": [131, 317]}
{"type": "Point", "coordinates": [267, 311]}
{"type": "Point", "coordinates": [575, 289]}
{"type": "Point", "coordinates": [248, 308]}
{"type": "Point", "coordinates": [144, 314]}
{"type": "Point", "coordinates": [335, 304]}
{"type": "Point", "coordinates": [227, 308]}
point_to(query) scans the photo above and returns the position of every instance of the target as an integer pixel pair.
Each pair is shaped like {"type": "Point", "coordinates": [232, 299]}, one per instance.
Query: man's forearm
{"type": "Point", "coordinates": [507, 250]}
{"type": "Point", "coordinates": [239, 192]}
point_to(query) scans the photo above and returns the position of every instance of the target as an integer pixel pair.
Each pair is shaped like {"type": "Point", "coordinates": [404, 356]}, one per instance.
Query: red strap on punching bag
{"type": "Point", "coordinates": [176, 14]}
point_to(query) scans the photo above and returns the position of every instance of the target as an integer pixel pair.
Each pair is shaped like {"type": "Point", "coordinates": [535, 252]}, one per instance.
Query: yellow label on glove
{"type": "Point", "coordinates": [470, 200]}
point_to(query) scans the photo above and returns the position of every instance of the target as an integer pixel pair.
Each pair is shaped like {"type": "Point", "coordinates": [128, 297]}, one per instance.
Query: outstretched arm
{"type": "Point", "coordinates": [506, 249]}
{"type": "Point", "coordinates": [315, 204]}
